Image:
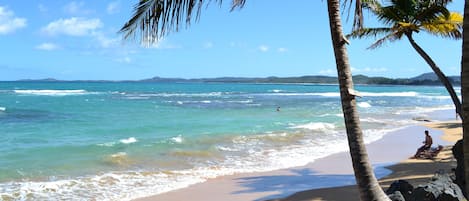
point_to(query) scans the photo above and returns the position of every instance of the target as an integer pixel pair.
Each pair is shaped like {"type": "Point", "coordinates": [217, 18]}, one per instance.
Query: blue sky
{"type": "Point", "coordinates": [73, 40]}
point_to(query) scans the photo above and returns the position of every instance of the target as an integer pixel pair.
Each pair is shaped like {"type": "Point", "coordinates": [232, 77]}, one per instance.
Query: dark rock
{"type": "Point", "coordinates": [401, 186]}
{"type": "Point", "coordinates": [420, 194]}
{"type": "Point", "coordinates": [459, 171]}
{"type": "Point", "coordinates": [441, 188]}
{"type": "Point", "coordinates": [396, 196]}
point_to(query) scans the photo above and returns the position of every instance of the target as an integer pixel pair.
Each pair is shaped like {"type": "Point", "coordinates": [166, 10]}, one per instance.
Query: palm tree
{"type": "Point", "coordinates": [465, 92]}
{"type": "Point", "coordinates": [155, 18]}
{"type": "Point", "coordinates": [406, 17]}
{"type": "Point", "coordinates": [367, 183]}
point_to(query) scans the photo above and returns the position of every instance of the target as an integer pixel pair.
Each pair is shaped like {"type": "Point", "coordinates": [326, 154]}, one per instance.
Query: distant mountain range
{"type": "Point", "coordinates": [423, 79]}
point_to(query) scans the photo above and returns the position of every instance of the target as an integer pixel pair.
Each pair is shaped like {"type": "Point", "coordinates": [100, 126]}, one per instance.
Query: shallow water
{"type": "Point", "coordinates": [95, 140]}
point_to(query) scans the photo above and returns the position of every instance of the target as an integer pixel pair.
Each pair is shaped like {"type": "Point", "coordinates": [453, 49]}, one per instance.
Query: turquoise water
{"type": "Point", "coordinates": [118, 141]}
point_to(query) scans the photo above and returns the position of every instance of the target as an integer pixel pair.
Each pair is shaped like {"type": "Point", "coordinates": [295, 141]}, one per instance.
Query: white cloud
{"type": "Point", "coordinates": [238, 44]}
{"type": "Point", "coordinates": [47, 46]}
{"type": "Point", "coordinates": [328, 72]}
{"type": "Point", "coordinates": [72, 27]}
{"type": "Point", "coordinates": [9, 22]}
{"type": "Point", "coordinates": [159, 44]}
{"type": "Point", "coordinates": [124, 60]}
{"type": "Point", "coordinates": [113, 7]}
{"type": "Point", "coordinates": [282, 49]}
{"type": "Point", "coordinates": [76, 8]}
{"type": "Point", "coordinates": [208, 45]}
{"type": "Point", "coordinates": [104, 41]}
{"type": "Point", "coordinates": [368, 70]}
{"type": "Point", "coordinates": [263, 48]}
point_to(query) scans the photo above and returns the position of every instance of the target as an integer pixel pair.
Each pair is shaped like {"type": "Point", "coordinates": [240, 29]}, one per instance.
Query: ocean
{"type": "Point", "coordinates": [120, 141]}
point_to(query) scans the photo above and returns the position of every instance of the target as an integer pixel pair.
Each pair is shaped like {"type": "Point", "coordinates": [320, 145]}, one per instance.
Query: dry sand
{"type": "Point", "coordinates": [331, 178]}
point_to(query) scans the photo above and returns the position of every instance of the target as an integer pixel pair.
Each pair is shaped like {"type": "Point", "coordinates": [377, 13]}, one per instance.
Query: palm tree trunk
{"type": "Point", "coordinates": [465, 92]}
{"type": "Point", "coordinates": [368, 186]}
{"type": "Point", "coordinates": [439, 73]}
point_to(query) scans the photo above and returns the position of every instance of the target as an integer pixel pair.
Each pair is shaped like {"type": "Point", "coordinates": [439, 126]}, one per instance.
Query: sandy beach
{"type": "Point", "coordinates": [331, 178]}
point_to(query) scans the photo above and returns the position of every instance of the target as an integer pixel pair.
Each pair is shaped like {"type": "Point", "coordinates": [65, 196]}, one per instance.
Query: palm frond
{"type": "Point", "coordinates": [446, 26]}
{"type": "Point", "coordinates": [389, 15]}
{"type": "Point", "coordinates": [369, 32]}
{"type": "Point", "coordinates": [372, 5]}
{"type": "Point", "coordinates": [153, 19]}
{"type": "Point", "coordinates": [388, 38]}
{"type": "Point", "coordinates": [357, 13]}
{"type": "Point", "coordinates": [431, 13]}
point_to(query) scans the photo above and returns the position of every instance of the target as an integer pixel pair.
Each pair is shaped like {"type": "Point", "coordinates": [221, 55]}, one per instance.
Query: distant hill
{"type": "Point", "coordinates": [424, 79]}
{"type": "Point", "coordinates": [40, 80]}
{"type": "Point", "coordinates": [432, 77]}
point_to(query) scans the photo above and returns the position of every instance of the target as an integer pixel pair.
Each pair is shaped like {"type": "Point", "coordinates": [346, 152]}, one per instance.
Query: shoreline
{"type": "Point", "coordinates": [415, 171]}
{"type": "Point", "coordinates": [329, 173]}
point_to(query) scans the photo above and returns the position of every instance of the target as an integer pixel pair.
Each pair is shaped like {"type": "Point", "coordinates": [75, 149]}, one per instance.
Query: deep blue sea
{"type": "Point", "coordinates": [118, 141]}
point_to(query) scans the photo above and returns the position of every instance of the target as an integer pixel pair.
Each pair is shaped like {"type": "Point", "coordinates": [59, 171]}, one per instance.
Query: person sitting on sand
{"type": "Point", "coordinates": [427, 144]}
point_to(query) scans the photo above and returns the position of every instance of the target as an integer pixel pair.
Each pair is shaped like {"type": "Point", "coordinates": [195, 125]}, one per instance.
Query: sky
{"type": "Point", "coordinates": [79, 40]}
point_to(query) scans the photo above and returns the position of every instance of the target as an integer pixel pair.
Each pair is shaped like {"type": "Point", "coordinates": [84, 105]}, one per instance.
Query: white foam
{"type": "Point", "coordinates": [337, 94]}
{"type": "Point", "coordinates": [276, 90]}
{"type": "Point", "coordinates": [210, 94]}
{"type": "Point", "coordinates": [372, 120]}
{"type": "Point", "coordinates": [50, 92]}
{"type": "Point", "coordinates": [129, 140]}
{"type": "Point", "coordinates": [241, 101]}
{"type": "Point", "coordinates": [364, 105]}
{"type": "Point", "coordinates": [128, 185]}
{"type": "Point", "coordinates": [3, 109]}
{"type": "Point", "coordinates": [106, 187]}
{"type": "Point", "coordinates": [178, 139]}
{"type": "Point", "coordinates": [390, 94]}
{"type": "Point", "coordinates": [325, 94]}
{"type": "Point", "coordinates": [423, 110]}
{"type": "Point", "coordinates": [315, 126]}
{"type": "Point", "coordinates": [438, 97]}
{"type": "Point", "coordinates": [119, 154]}
{"type": "Point", "coordinates": [136, 98]}
{"type": "Point", "coordinates": [225, 148]}
{"type": "Point", "coordinates": [107, 144]}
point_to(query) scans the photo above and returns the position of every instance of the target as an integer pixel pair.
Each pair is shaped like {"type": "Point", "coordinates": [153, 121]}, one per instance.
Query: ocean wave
{"type": "Point", "coordinates": [108, 186]}
{"type": "Point", "coordinates": [254, 153]}
{"type": "Point", "coordinates": [325, 94]}
{"type": "Point", "coordinates": [390, 94]}
{"type": "Point", "coordinates": [337, 94]}
{"type": "Point", "coordinates": [3, 109]}
{"type": "Point", "coordinates": [372, 120]}
{"type": "Point", "coordinates": [436, 97]}
{"type": "Point", "coordinates": [182, 102]}
{"type": "Point", "coordinates": [364, 105]}
{"type": "Point", "coordinates": [178, 139]}
{"type": "Point", "coordinates": [50, 92]}
{"type": "Point", "coordinates": [129, 140]}
{"type": "Point", "coordinates": [187, 95]}
{"type": "Point", "coordinates": [319, 126]}
{"type": "Point", "coordinates": [276, 90]}
{"type": "Point", "coordinates": [423, 110]}
{"type": "Point", "coordinates": [136, 98]}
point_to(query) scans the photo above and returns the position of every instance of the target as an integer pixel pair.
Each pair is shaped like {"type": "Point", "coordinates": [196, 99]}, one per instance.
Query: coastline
{"type": "Point", "coordinates": [329, 176]}
{"type": "Point", "coordinates": [415, 171]}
